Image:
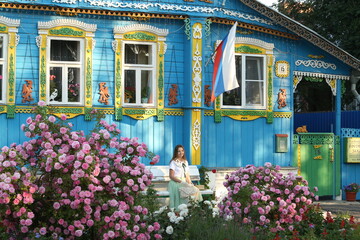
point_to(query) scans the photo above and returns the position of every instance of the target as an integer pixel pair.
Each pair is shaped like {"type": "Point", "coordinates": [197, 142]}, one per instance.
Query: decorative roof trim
{"type": "Point", "coordinates": [9, 22]}
{"type": "Point", "coordinates": [321, 75]}
{"type": "Point", "coordinates": [141, 27]}
{"type": "Point", "coordinates": [67, 22]}
{"type": "Point", "coordinates": [304, 32]}
{"type": "Point", "coordinates": [254, 41]}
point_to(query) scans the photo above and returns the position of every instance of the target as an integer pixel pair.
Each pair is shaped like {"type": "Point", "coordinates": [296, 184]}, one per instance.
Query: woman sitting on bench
{"type": "Point", "coordinates": [180, 185]}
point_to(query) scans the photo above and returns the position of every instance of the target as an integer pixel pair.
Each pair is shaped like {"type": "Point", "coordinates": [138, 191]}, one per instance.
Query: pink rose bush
{"type": "Point", "coordinates": [62, 184]}
{"type": "Point", "coordinates": [265, 198]}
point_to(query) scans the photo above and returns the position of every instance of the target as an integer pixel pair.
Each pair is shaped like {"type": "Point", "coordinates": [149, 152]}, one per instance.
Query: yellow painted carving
{"type": "Point", "coordinates": [317, 146]}
{"type": "Point", "coordinates": [197, 65]}
{"type": "Point", "coordinates": [318, 157]}
{"type": "Point", "coordinates": [118, 74]}
{"type": "Point", "coordinates": [42, 64]}
{"type": "Point", "coordinates": [140, 36]}
{"type": "Point", "coordinates": [160, 89]}
{"type": "Point", "coordinates": [88, 72]}
{"type": "Point", "coordinates": [149, 112]}
{"type": "Point", "coordinates": [332, 83]}
{"type": "Point", "coordinates": [243, 118]}
{"type": "Point", "coordinates": [296, 81]}
{"type": "Point", "coordinates": [249, 48]}
{"type": "Point", "coordinates": [196, 88]}
{"type": "Point", "coordinates": [282, 114]}
{"type": "Point", "coordinates": [11, 58]}
{"type": "Point", "coordinates": [74, 29]}
{"type": "Point", "coordinates": [196, 137]}
{"type": "Point", "coordinates": [68, 115]}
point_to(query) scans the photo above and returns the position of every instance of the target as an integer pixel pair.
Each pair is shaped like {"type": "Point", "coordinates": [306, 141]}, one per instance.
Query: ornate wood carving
{"type": "Point", "coordinates": [104, 93]}
{"type": "Point", "coordinates": [173, 93]}
{"type": "Point", "coordinates": [27, 91]}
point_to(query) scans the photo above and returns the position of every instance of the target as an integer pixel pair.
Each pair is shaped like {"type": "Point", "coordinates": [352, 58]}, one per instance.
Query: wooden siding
{"type": "Point", "coordinates": [325, 121]}
{"type": "Point", "coordinates": [238, 143]}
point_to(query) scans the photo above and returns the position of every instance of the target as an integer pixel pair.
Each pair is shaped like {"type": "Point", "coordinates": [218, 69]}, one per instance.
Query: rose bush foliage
{"type": "Point", "coordinates": [265, 198]}
{"type": "Point", "coordinates": [62, 184]}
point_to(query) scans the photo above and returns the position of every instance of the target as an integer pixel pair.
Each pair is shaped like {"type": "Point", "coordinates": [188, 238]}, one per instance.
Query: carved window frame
{"type": "Point", "coordinates": [9, 30]}
{"type": "Point", "coordinates": [253, 47]}
{"type": "Point", "coordinates": [146, 34]}
{"type": "Point", "coordinates": [66, 29]}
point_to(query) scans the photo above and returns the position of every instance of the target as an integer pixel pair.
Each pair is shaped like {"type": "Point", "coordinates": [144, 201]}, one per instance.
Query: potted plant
{"type": "Point", "coordinates": [145, 94]}
{"type": "Point", "coordinates": [351, 191]}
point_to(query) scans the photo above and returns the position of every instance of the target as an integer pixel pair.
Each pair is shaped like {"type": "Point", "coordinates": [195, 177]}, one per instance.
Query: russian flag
{"type": "Point", "coordinates": [224, 75]}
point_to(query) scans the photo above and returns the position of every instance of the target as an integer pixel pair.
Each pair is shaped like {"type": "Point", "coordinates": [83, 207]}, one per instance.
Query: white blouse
{"type": "Point", "coordinates": [178, 167]}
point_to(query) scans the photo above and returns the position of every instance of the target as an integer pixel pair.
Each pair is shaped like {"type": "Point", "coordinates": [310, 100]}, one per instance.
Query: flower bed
{"type": "Point", "coordinates": [62, 184]}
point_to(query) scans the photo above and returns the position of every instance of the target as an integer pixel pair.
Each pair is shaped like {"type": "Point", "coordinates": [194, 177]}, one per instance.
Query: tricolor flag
{"type": "Point", "coordinates": [224, 76]}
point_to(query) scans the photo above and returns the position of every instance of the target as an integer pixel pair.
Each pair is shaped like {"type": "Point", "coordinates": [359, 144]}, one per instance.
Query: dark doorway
{"type": "Point", "coordinates": [313, 95]}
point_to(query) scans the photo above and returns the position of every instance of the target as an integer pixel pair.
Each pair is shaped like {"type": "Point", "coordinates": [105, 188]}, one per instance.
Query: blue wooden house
{"type": "Point", "coordinates": [148, 65]}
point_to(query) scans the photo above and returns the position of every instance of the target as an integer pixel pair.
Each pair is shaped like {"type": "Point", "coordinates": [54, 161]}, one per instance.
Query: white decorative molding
{"type": "Point", "coordinates": [65, 1]}
{"type": "Point", "coordinates": [321, 75]}
{"type": "Point", "coordinates": [254, 41]}
{"type": "Point", "coordinates": [67, 22]}
{"type": "Point", "coordinates": [9, 21]}
{"type": "Point", "coordinates": [119, 4]}
{"type": "Point", "coordinates": [93, 44]}
{"type": "Point", "coordinates": [246, 16]}
{"type": "Point", "coordinates": [315, 64]}
{"type": "Point", "coordinates": [197, 75]}
{"type": "Point", "coordinates": [17, 39]}
{"type": "Point", "coordinates": [332, 85]}
{"type": "Point", "coordinates": [197, 32]}
{"type": "Point", "coordinates": [214, 11]}
{"type": "Point", "coordinates": [38, 41]}
{"type": "Point", "coordinates": [329, 78]}
{"type": "Point", "coordinates": [165, 47]}
{"type": "Point", "coordinates": [114, 45]}
{"type": "Point", "coordinates": [141, 27]}
{"type": "Point", "coordinates": [251, 41]}
{"type": "Point", "coordinates": [196, 134]}
{"type": "Point", "coordinates": [186, 8]}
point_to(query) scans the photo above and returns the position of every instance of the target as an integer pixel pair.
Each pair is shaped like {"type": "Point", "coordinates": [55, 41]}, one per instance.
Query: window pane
{"type": "Point", "coordinates": [65, 50]}
{"type": "Point", "coordinates": [1, 46]}
{"type": "Point", "coordinates": [254, 68]}
{"type": "Point", "coordinates": [233, 97]}
{"type": "Point", "coordinates": [254, 93]}
{"type": "Point", "coordinates": [130, 89]}
{"type": "Point", "coordinates": [1, 81]}
{"type": "Point", "coordinates": [73, 85]}
{"type": "Point", "coordinates": [146, 83]}
{"type": "Point", "coordinates": [55, 84]}
{"type": "Point", "coordinates": [137, 54]}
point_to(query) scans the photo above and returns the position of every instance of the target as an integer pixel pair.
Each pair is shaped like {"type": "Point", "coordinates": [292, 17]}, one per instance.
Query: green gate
{"type": "Point", "coordinates": [317, 156]}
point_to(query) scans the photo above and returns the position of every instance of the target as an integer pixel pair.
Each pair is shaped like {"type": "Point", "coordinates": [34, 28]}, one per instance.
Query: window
{"type": "Point", "coordinates": [139, 74]}
{"type": "Point", "coordinates": [3, 44]}
{"type": "Point", "coordinates": [66, 81]}
{"type": "Point", "coordinates": [250, 73]}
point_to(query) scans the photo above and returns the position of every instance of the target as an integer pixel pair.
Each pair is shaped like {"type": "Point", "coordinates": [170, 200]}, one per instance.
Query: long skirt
{"type": "Point", "coordinates": [174, 195]}
{"type": "Point", "coordinates": [176, 199]}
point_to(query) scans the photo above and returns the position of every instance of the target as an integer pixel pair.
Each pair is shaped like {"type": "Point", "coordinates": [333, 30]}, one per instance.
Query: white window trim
{"type": "Point", "coordinates": [80, 64]}
{"type": "Point", "coordinates": [4, 62]}
{"type": "Point", "coordinates": [243, 81]}
{"type": "Point", "coordinates": [152, 68]}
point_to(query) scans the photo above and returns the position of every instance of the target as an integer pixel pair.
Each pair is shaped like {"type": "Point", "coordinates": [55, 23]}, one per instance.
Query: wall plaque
{"type": "Point", "coordinates": [352, 150]}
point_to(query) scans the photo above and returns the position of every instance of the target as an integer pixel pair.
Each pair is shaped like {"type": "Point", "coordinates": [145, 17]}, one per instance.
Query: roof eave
{"type": "Point", "coordinates": [304, 32]}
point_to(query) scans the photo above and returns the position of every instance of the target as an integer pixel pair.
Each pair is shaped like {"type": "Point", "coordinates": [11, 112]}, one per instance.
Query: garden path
{"type": "Point", "coordinates": [341, 207]}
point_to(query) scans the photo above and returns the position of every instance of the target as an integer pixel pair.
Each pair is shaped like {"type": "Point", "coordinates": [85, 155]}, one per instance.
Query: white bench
{"type": "Point", "coordinates": [161, 179]}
